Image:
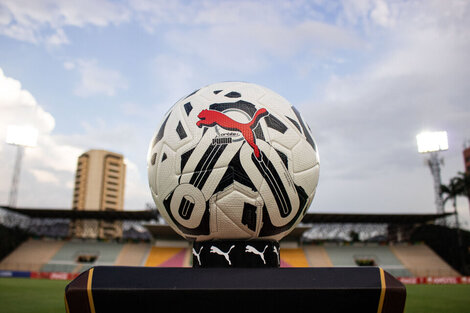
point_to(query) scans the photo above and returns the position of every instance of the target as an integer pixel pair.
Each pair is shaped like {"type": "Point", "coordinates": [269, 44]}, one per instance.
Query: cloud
{"type": "Point", "coordinates": [137, 192]}
{"type": "Point", "coordinates": [20, 107]}
{"type": "Point", "coordinates": [48, 170]}
{"type": "Point", "coordinates": [125, 138]}
{"type": "Point", "coordinates": [175, 77]}
{"type": "Point", "coordinates": [243, 36]}
{"type": "Point", "coordinates": [43, 176]}
{"type": "Point", "coordinates": [43, 21]}
{"type": "Point", "coordinates": [51, 162]}
{"type": "Point", "coordinates": [95, 80]}
{"type": "Point", "coordinates": [250, 47]}
{"type": "Point", "coordinates": [365, 122]}
{"type": "Point", "coordinates": [58, 38]}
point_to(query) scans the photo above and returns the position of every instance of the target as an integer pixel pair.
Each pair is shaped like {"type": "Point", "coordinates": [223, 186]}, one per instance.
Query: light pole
{"type": "Point", "coordinates": [21, 137]}
{"type": "Point", "coordinates": [432, 143]}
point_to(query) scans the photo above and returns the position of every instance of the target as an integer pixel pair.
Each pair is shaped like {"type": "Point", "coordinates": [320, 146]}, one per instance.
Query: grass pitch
{"type": "Point", "coordinates": [437, 298]}
{"type": "Point", "coordinates": [32, 295]}
{"type": "Point", "coordinates": [41, 295]}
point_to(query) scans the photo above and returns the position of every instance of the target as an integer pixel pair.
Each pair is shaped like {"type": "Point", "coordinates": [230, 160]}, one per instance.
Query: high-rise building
{"type": "Point", "coordinates": [466, 158]}
{"type": "Point", "coordinates": [99, 185]}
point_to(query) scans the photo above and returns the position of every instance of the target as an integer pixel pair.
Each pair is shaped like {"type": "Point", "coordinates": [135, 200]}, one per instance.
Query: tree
{"type": "Point", "coordinates": [452, 191]}
{"type": "Point", "coordinates": [463, 179]}
{"type": "Point", "coordinates": [458, 186]}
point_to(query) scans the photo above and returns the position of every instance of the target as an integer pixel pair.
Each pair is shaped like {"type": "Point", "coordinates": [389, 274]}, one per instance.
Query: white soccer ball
{"type": "Point", "coordinates": [233, 160]}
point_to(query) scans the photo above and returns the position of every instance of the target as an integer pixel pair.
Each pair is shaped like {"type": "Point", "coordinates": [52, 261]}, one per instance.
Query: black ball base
{"type": "Point", "coordinates": [144, 289]}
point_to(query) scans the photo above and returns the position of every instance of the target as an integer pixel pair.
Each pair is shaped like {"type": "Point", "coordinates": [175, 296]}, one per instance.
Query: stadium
{"type": "Point", "coordinates": [44, 246]}
{"type": "Point", "coordinates": [36, 244]}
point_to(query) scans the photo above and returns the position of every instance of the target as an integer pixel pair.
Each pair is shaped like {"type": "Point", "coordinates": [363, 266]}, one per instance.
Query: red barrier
{"type": "Point", "coordinates": [404, 280]}
{"type": "Point", "coordinates": [435, 280]}
{"type": "Point", "coordinates": [53, 275]}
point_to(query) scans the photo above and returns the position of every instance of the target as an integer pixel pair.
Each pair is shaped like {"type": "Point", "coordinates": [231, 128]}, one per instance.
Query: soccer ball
{"type": "Point", "coordinates": [233, 160]}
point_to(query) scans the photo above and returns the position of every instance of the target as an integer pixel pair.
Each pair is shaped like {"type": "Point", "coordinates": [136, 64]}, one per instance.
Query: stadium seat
{"type": "Point", "coordinates": [348, 255]}
{"type": "Point", "coordinates": [420, 260]}
{"type": "Point", "coordinates": [31, 255]}
{"type": "Point", "coordinates": [66, 258]}
{"type": "Point", "coordinates": [293, 258]}
{"type": "Point", "coordinates": [133, 254]}
{"type": "Point", "coordinates": [317, 256]}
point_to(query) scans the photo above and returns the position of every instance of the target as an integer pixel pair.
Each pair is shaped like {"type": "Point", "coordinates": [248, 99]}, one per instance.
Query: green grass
{"type": "Point", "coordinates": [40, 295]}
{"type": "Point", "coordinates": [437, 298]}
{"type": "Point", "coordinates": [32, 295]}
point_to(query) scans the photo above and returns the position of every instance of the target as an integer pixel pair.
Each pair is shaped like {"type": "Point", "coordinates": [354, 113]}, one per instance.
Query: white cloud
{"type": "Point", "coordinates": [175, 77]}
{"type": "Point", "coordinates": [58, 38]}
{"type": "Point", "coordinates": [43, 176]}
{"type": "Point", "coordinates": [137, 192]}
{"type": "Point", "coordinates": [48, 170]}
{"type": "Point", "coordinates": [20, 108]}
{"type": "Point", "coordinates": [122, 138]}
{"type": "Point", "coordinates": [44, 20]}
{"type": "Point", "coordinates": [365, 122]}
{"type": "Point", "coordinates": [69, 65]}
{"type": "Point", "coordinates": [51, 162]}
{"type": "Point", "coordinates": [243, 36]}
{"type": "Point", "coordinates": [250, 46]}
{"type": "Point", "coordinates": [96, 80]}
{"type": "Point", "coordinates": [381, 14]}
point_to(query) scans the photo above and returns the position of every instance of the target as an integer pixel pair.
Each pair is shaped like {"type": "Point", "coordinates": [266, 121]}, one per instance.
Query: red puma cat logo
{"type": "Point", "coordinates": [211, 118]}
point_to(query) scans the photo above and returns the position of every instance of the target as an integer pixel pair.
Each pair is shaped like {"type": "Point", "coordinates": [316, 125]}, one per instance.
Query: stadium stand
{"type": "Point", "coordinates": [10, 238]}
{"type": "Point", "coordinates": [317, 256]}
{"type": "Point", "coordinates": [420, 260]}
{"type": "Point", "coordinates": [293, 257]}
{"type": "Point", "coordinates": [133, 254]}
{"type": "Point", "coordinates": [159, 245]}
{"type": "Point", "coordinates": [168, 257]}
{"type": "Point", "coordinates": [367, 255]}
{"type": "Point", "coordinates": [31, 255]}
{"type": "Point", "coordinates": [92, 253]}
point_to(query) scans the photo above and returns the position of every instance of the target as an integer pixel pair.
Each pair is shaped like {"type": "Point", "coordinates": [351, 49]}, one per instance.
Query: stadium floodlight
{"type": "Point", "coordinates": [21, 137]}
{"type": "Point", "coordinates": [432, 141]}
{"type": "Point", "coordinates": [25, 136]}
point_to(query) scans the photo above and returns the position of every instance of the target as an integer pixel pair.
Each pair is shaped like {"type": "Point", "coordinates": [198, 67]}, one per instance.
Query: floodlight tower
{"type": "Point", "coordinates": [21, 137]}
{"type": "Point", "coordinates": [432, 143]}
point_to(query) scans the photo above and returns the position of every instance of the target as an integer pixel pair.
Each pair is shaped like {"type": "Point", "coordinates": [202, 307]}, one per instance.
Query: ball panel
{"type": "Point", "coordinates": [187, 205]}
{"type": "Point", "coordinates": [165, 169]}
{"type": "Point", "coordinates": [308, 179]}
{"type": "Point", "coordinates": [308, 159]}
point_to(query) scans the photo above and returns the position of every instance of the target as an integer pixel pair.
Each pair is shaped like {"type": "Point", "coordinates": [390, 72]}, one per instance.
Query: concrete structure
{"type": "Point", "coordinates": [466, 157]}
{"type": "Point", "coordinates": [99, 185]}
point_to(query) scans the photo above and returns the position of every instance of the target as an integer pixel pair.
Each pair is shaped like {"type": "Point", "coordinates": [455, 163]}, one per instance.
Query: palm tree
{"type": "Point", "coordinates": [451, 191]}
{"type": "Point", "coordinates": [458, 186]}
{"type": "Point", "coordinates": [463, 180]}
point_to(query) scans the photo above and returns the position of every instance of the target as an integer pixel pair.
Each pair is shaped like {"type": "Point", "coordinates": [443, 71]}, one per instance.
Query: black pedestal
{"type": "Point", "coordinates": [236, 253]}
{"type": "Point", "coordinates": [143, 289]}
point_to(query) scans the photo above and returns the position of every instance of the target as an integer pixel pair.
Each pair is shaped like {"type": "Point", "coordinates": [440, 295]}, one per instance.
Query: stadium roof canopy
{"type": "Point", "coordinates": [340, 218]}
{"type": "Point", "coordinates": [145, 215]}
{"type": "Point", "coordinates": [309, 218]}
{"type": "Point", "coordinates": [160, 231]}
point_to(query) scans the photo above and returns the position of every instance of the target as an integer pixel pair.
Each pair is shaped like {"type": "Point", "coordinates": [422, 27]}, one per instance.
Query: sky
{"type": "Point", "coordinates": [367, 76]}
